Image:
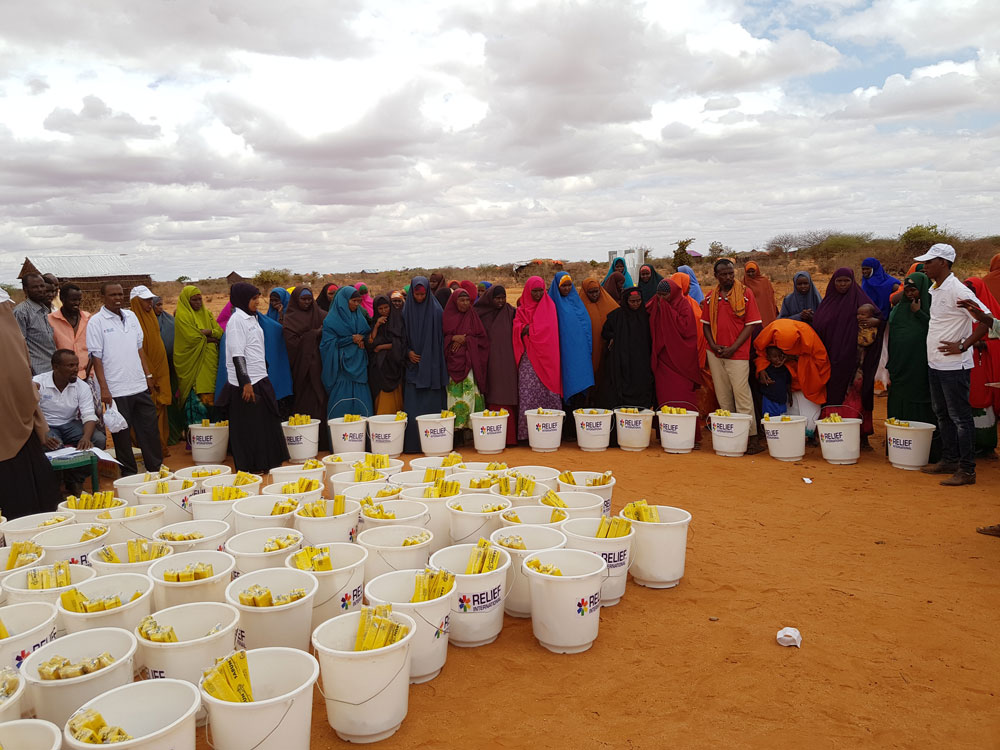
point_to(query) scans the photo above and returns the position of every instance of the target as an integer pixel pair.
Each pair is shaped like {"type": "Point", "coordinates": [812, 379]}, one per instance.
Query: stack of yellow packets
{"type": "Point", "coordinates": [434, 475]}
{"type": "Point", "coordinates": [376, 630]}
{"type": "Point", "coordinates": [74, 601]}
{"type": "Point", "coordinates": [229, 679]}
{"type": "Point", "coordinates": [60, 668]}
{"type": "Point", "coordinates": [22, 553]}
{"type": "Point", "coordinates": [139, 550]}
{"type": "Point", "coordinates": [673, 410]}
{"type": "Point", "coordinates": [367, 474]}
{"type": "Point", "coordinates": [210, 423]}
{"type": "Point", "coordinates": [556, 516]}
{"type": "Point", "coordinates": [451, 459]}
{"type": "Point", "coordinates": [228, 493]}
{"type": "Point", "coordinates": [244, 477]}
{"type": "Point", "coordinates": [400, 416]}
{"type": "Point", "coordinates": [446, 414]}
{"type": "Point", "coordinates": [628, 410]}
{"type": "Point", "coordinates": [443, 488]}
{"type": "Point", "coordinates": [189, 573]}
{"type": "Point", "coordinates": [372, 510]}
{"type": "Point", "coordinates": [202, 473]}
{"type": "Point", "coordinates": [59, 518]}
{"type": "Point", "coordinates": [546, 568]}
{"type": "Point", "coordinates": [313, 558]}
{"type": "Point", "coordinates": [298, 420]}
{"type": "Point", "coordinates": [483, 483]}
{"type": "Point", "coordinates": [129, 511]}
{"type": "Point", "coordinates": [93, 532]}
{"type": "Point", "coordinates": [501, 413]}
{"type": "Point", "coordinates": [640, 510]}
{"type": "Point", "coordinates": [312, 464]}
{"type": "Point", "coordinates": [722, 413]}
{"type": "Point", "coordinates": [284, 506]}
{"type": "Point", "coordinates": [524, 486]}
{"type": "Point", "coordinates": [180, 536]}
{"type": "Point", "coordinates": [430, 584]}
{"type": "Point", "coordinates": [544, 412]}
{"type": "Point", "coordinates": [567, 477]}
{"type": "Point", "coordinates": [373, 461]}
{"type": "Point", "coordinates": [89, 727]}
{"type": "Point", "coordinates": [274, 543]}
{"type": "Point", "coordinates": [53, 577]}
{"type": "Point", "coordinates": [97, 501]}
{"type": "Point", "coordinates": [352, 417]}
{"type": "Point", "coordinates": [318, 508]}
{"type": "Point", "coordinates": [9, 681]}
{"type": "Point", "coordinates": [613, 527]}
{"type": "Point", "coordinates": [511, 541]}
{"type": "Point", "coordinates": [483, 558]}
{"type": "Point", "coordinates": [601, 480]}
{"type": "Point", "coordinates": [152, 631]}
{"type": "Point", "coordinates": [552, 499]}
{"type": "Point", "coordinates": [259, 596]}
{"type": "Point", "coordinates": [413, 541]}
{"type": "Point", "coordinates": [484, 508]}
{"type": "Point", "coordinates": [302, 484]}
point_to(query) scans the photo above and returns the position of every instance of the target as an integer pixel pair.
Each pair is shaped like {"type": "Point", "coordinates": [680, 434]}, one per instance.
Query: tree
{"type": "Point", "coordinates": [183, 279]}
{"type": "Point", "coordinates": [717, 249]}
{"type": "Point", "coordinates": [681, 255]}
{"type": "Point", "coordinates": [918, 239]}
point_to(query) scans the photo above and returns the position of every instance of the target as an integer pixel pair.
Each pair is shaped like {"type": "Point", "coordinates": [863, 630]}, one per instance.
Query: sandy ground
{"type": "Point", "coordinates": [895, 595]}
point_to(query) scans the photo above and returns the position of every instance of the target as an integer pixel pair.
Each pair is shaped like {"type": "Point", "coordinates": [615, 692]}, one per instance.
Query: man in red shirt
{"type": "Point", "coordinates": [729, 314]}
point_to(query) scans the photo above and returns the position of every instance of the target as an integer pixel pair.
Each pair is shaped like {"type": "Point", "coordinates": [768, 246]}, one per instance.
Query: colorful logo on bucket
{"type": "Point", "coordinates": [435, 432]}
{"type": "Point", "coordinates": [345, 601]}
{"type": "Point", "coordinates": [491, 429]}
{"type": "Point", "coordinates": [581, 607]}
{"type": "Point", "coordinates": [442, 629]}
{"type": "Point", "coordinates": [19, 658]}
{"type": "Point", "coordinates": [589, 604]}
{"type": "Point", "coordinates": [546, 426]}
{"type": "Point", "coordinates": [464, 603]}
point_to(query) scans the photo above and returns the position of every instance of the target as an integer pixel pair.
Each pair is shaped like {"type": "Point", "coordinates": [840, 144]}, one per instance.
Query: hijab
{"type": "Point", "coordinates": [684, 282]}
{"type": "Point", "coordinates": [795, 303]}
{"type": "Point", "coordinates": [576, 343]}
{"type": "Point", "coordinates": [424, 335]}
{"type": "Point", "coordinates": [240, 295]}
{"type": "Point", "coordinates": [341, 356]}
{"type": "Point", "coordinates": [195, 359]}
{"type": "Point", "coordinates": [279, 371]}
{"type": "Point", "coordinates": [695, 290]}
{"type": "Point", "coordinates": [878, 286]}
{"type": "Point", "coordinates": [322, 301]}
{"type": "Point", "coordinates": [542, 342]}
{"type": "Point", "coordinates": [624, 272]}
{"type": "Point", "coordinates": [385, 368]}
{"type": "Point", "coordinates": [155, 351]}
{"type": "Point", "coordinates": [501, 377]}
{"type": "Point", "coordinates": [366, 298]}
{"type": "Point", "coordinates": [628, 377]}
{"type": "Point", "coordinates": [284, 296]}
{"type": "Point", "coordinates": [598, 313]}
{"type": "Point", "coordinates": [992, 279]}
{"type": "Point", "coordinates": [763, 293]}
{"type": "Point", "coordinates": [614, 283]}
{"type": "Point", "coordinates": [836, 322]}
{"type": "Point", "coordinates": [902, 316]}
{"type": "Point", "coordinates": [482, 286]}
{"type": "Point", "coordinates": [166, 321]}
{"type": "Point", "coordinates": [810, 370]}
{"type": "Point", "coordinates": [474, 355]}
{"type": "Point", "coordinates": [436, 282]}
{"type": "Point", "coordinates": [441, 295]}
{"type": "Point", "coordinates": [648, 288]}
{"type": "Point", "coordinates": [673, 331]}
{"type": "Point", "coordinates": [470, 289]}
{"type": "Point", "coordinates": [298, 321]}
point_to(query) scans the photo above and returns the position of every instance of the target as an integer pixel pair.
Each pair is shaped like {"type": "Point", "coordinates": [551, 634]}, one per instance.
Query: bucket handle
{"type": "Point", "coordinates": [208, 724]}
{"type": "Point", "coordinates": [329, 599]}
{"type": "Point", "coordinates": [338, 403]}
{"type": "Point", "coordinates": [485, 521]}
{"type": "Point", "coordinates": [674, 402]}
{"type": "Point", "coordinates": [369, 698]}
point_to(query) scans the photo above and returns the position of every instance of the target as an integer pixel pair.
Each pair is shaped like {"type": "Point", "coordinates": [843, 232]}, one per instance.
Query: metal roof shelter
{"type": "Point", "coordinates": [88, 272]}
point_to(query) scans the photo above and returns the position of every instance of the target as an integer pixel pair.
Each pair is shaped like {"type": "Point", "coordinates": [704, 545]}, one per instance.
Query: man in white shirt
{"type": "Point", "coordinates": [114, 340]}
{"type": "Point", "coordinates": [950, 337]}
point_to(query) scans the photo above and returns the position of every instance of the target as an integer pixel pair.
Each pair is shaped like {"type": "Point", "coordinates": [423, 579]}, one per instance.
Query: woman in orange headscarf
{"type": "Point", "coordinates": [706, 394]}
{"type": "Point", "coordinates": [992, 279]}
{"type": "Point", "coordinates": [762, 290]}
{"type": "Point", "coordinates": [598, 304]}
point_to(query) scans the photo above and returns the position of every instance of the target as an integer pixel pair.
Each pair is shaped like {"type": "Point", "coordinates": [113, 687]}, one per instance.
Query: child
{"type": "Point", "coordinates": [868, 330]}
{"type": "Point", "coordinates": [776, 396]}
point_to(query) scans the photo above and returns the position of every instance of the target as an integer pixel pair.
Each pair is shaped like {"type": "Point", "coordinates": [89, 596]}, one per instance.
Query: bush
{"type": "Point", "coordinates": [918, 239]}
{"type": "Point", "coordinates": [269, 278]}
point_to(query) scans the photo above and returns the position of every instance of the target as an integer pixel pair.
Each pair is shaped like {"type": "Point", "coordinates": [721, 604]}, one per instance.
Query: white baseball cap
{"type": "Point", "coordinates": [143, 291]}
{"type": "Point", "coordinates": [940, 250]}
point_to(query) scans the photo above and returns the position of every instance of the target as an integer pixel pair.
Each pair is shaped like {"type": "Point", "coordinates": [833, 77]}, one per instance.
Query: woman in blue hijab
{"type": "Point", "coordinates": [878, 285]}
{"type": "Point", "coordinates": [803, 301]}
{"type": "Point", "coordinates": [618, 264]}
{"type": "Point", "coordinates": [278, 295]}
{"type": "Point", "coordinates": [344, 357]}
{"type": "Point", "coordinates": [694, 291]}
{"type": "Point", "coordinates": [426, 379]}
{"type": "Point", "coordinates": [575, 337]}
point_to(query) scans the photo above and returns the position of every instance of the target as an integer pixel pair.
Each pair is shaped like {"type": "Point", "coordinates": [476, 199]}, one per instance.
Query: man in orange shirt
{"type": "Point", "coordinates": [69, 327]}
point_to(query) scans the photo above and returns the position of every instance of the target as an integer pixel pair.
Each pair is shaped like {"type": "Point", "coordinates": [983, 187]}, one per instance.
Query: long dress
{"type": "Point", "coordinates": [159, 366]}
{"type": "Point", "coordinates": [674, 357]}
{"type": "Point", "coordinates": [500, 388]}
{"type": "Point", "coordinates": [425, 381]}
{"type": "Point", "coordinates": [707, 402]}
{"type": "Point", "coordinates": [575, 343]}
{"type": "Point", "coordinates": [196, 359]}
{"type": "Point", "coordinates": [836, 322]}
{"type": "Point", "coordinates": [385, 367]}
{"type": "Point", "coordinates": [983, 398]}
{"type": "Point", "coordinates": [628, 379]}
{"type": "Point", "coordinates": [536, 350]}
{"type": "Point", "coordinates": [345, 364]}
{"type": "Point", "coordinates": [468, 363]}
{"type": "Point", "coordinates": [909, 391]}
{"type": "Point", "coordinates": [302, 330]}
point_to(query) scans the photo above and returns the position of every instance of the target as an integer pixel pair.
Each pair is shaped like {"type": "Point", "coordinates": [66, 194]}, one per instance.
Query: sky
{"type": "Point", "coordinates": [197, 137]}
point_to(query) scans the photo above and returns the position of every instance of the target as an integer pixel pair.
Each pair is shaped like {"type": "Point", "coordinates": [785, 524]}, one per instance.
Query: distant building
{"type": "Point", "coordinates": [88, 272]}
{"type": "Point", "coordinates": [634, 257]}
{"type": "Point", "coordinates": [234, 278]}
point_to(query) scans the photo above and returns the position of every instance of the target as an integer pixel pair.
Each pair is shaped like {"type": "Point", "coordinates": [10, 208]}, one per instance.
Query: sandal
{"type": "Point", "coordinates": [993, 530]}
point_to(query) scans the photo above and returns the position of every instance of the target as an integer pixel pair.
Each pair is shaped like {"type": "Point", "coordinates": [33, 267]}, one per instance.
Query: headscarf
{"type": "Point", "coordinates": [624, 272]}
{"type": "Point", "coordinates": [441, 295]}
{"type": "Point", "coordinates": [542, 345]}
{"type": "Point", "coordinates": [224, 315]}
{"type": "Point", "coordinates": [366, 298]}
{"type": "Point", "coordinates": [18, 397]}
{"type": "Point", "coordinates": [155, 351]}
{"type": "Point", "coordinates": [284, 296]}
{"type": "Point", "coordinates": [195, 359]}
{"type": "Point", "coordinates": [684, 282]}
{"type": "Point", "coordinates": [424, 335]}
{"type": "Point", "coordinates": [907, 363]}
{"type": "Point", "coordinates": [628, 377]}
{"type": "Point", "coordinates": [482, 286]}
{"type": "Point", "coordinates": [302, 330]}
{"type": "Point", "coordinates": [385, 368]}
{"type": "Point", "coordinates": [795, 303]}
{"type": "Point", "coordinates": [240, 295]}
{"type": "Point", "coordinates": [736, 298]}
{"type": "Point", "coordinates": [576, 343]}
{"type": "Point", "coordinates": [166, 321]}
{"type": "Point", "coordinates": [279, 371]}
{"type": "Point", "coordinates": [986, 362]}
{"type": "Point", "coordinates": [695, 290]}
{"type": "Point", "coordinates": [475, 354]}
{"type": "Point", "coordinates": [501, 369]}
{"type": "Point", "coordinates": [836, 323]}
{"type": "Point", "coordinates": [613, 284]}
{"type": "Point", "coordinates": [648, 288]}
{"type": "Point", "coordinates": [598, 312]}
{"type": "Point", "coordinates": [763, 293]}
{"type": "Point", "coordinates": [470, 289]}
{"type": "Point", "coordinates": [673, 330]}
{"type": "Point", "coordinates": [322, 301]}
{"type": "Point", "coordinates": [341, 356]}
{"type": "Point", "coordinates": [437, 279]}
{"type": "Point", "coordinates": [811, 370]}
{"type": "Point", "coordinates": [878, 286]}
{"type": "Point", "coordinates": [992, 279]}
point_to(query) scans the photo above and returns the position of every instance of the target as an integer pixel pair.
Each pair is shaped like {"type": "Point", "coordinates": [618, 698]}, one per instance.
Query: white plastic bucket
{"type": "Point", "coordinates": [593, 431]}
{"type": "Point", "coordinates": [408, 513]}
{"type": "Point", "coordinates": [121, 550]}
{"type": "Point", "coordinates": [386, 434]}
{"type": "Point", "coordinates": [604, 491]}
{"type": "Point", "coordinates": [56, 700]}
{"type": "Point", "coordinates": [731, 434]}
{"type": "Point", "coordinates": [175, 498]}
{"type": "Point", "coordinates": [248, 549]}
{"type": "Point", "coordinates": [659, 549]}
{"type": "Point", "coordinates": [909, 447]}
{"type": "Point", "coordinates": [439, 518]}
{"type": "Point", "coordinates": [26, 527]}
{"type": "Point", "coordinates": [280, 716]}
{"type": "Point", "coordinates": [429, 648]}
{"type": "Point", "coordinates": [31, 625]}
{"type": "Point", "coordinates": [786, 440]}
{"type": "Point", "coordinates": [10, 709]}
{"type": "Point", "coordinates": [272, 490]}
{"type": "Point", "coordinates": [215, 535]}
{"type": "Point", "coordinates": [489, 434]}
{"type": "Point", "coordinates": [282, 474]}
{"type": "Point", "coordinates": [127, 616]}
{"type": "Point", "coordinates": [678, 432]}
{"type": "Point", "coordinates": [30, 734]}
{"type": "Point", "coordinates": [517, 602]}
{"type": "Point", "coordinates": [125, 487]}
{"type": "Point", "coordinates": [521, 501]}
{"type": "Point", "coordinates": [340, 590]}
{"type": "Point", "coordinates": [288, 625]}
{"type": "Point", "coordinates": [255, 513]}
{"type": "Point", "coordinates": [386, 552]}
{"type": "Point", "coordinates": [5, 558]}
{"type": "Point", "coordinates": [341, 481]}
{"type": "Point", "coordinates": [413, 478]}
{"type": "Point", "coordinates": [634, 430]}
{"type": "Point", "coordinates": [229, 480]}
{"type": "Point", "coordinates": [616, 551]}
{"type": "Point", "coordinates": [357, 492]}
{"type": "Point", "coordinates": [437, 435]}
{"type": "Point", "coordinates": [347, 437]}
{"type": "Point", "coordinates": [470, 524]}
{"type": "Point", "coordinates": [213, 510]}
{"type": "Point", "coordinates": [335, 463]}
{"type": "Point", "coordinates": [208, 444]}
{"type": "Point", "coordinates": [158, 714]}
{"type": "Point", "coordinates": [188, 472]}
{"type": "Point", "coordinates": [63, 543]}
{"type": "Point", "coordinates": [145, 522]}
{"type": "Point", "coordinates": [432, 462]}
{"type": "Point", "coordinates": [89, 516]}
{"type": "Point", "coordinates": [326, 529]}
{"type": "Point", "coordinates": [544, 430]}
{"type": "Point", "coordinates": [583, 504]}
{"type": "Point", "coordinates": [211, 589]}
{"type": "Point", "coordinates": [543, 475]}
{"type": "Point", "coordinates": [465, 478]}
{"type": "Point", "coordinates": [531, 515]}
{"type": "Point", "coordinates": [302, 440]}
{"type": "Point", "coordinates": [366, 692]}
{"type": "Point", "coordinates": [840, 442]}
{"type": "Point", "coordinates": [16, 588]}
{"type": "Point", "coordinates": [566, 609]}
{"type": "Point", "coordinates": [478, 617]}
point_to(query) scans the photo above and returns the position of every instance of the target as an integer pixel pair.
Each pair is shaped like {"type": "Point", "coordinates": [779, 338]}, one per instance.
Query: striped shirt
{"type": "Point", "coordinates": [33, 319]}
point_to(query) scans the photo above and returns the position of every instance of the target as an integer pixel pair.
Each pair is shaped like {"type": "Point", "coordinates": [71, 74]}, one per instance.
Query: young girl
{"type": "Point", "coordinates": [777, 395]}
{"type": "Point", "coordinates": [860, 392]}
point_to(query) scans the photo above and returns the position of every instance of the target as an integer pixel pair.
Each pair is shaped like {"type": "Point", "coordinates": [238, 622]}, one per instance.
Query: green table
{"type": "Point", "coordinates": [79, 461]}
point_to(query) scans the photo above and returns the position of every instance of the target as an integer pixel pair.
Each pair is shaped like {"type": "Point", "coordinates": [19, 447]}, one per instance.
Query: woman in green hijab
{"type": "Point", "coordinates": [909, 392]}
{"type": "Point", "coordinates": [196, 355]}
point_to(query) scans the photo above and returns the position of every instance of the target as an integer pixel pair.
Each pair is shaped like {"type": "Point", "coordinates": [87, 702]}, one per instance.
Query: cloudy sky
{"type": "Point", "coordinates": [202, 136]}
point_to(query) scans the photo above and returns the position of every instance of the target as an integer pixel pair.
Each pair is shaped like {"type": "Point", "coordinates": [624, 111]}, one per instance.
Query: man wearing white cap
{"type": "Point", "coordinates": [950, 337]}
{"type": "Point", "coordinates": [114, 340]}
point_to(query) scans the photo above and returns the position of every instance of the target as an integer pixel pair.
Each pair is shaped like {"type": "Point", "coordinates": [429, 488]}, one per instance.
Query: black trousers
{"type": "Point", "coordinates": [140, 413]}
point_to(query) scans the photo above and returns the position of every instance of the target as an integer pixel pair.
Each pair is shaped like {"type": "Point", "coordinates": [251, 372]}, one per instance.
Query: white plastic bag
{"type": "Point", "coordinates": [114, 420]}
